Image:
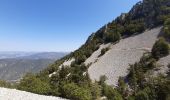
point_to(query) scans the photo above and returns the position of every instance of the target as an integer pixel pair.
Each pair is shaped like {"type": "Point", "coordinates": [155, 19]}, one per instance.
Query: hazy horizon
{"type": "Point", "coordinates": [54, 26]}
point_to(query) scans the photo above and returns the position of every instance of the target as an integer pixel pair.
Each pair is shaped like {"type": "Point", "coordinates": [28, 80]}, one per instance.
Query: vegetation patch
{"type": "Point", "coordinates": [103, 51]}
{"type": "Point", "coordinates": [160, 49]}
{"type": "Point", "coordinates": [167, 29]}
{"type": "Point", "coordinates": [5, 84]}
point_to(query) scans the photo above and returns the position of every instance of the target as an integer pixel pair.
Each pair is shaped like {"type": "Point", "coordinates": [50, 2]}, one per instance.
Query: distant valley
{"type": "Point", "coordinates": [13, 65]}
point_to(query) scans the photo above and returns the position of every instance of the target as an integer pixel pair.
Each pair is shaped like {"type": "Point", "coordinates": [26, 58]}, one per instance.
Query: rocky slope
{"type": "Point", "coordinates": [163, 63]}
{"type": "Point", "coordinates": [116, 61]}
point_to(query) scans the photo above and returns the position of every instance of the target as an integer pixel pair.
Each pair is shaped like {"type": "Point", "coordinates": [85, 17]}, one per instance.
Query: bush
{"type": "Point", "coordinates": [96, 91]}
{"type": "Point", "coordinates": [145, 94]}
{"type": "Point", "coordinates": [142, 95]}
{"type": "Point", "coordinates": [5, 84]}
{"type": "Point", "coordinates": [102, 80]}
{"type": "Point", "coordinates": [81, 59]}
{"type": "Point", "coordinates": [122, 86]}
{"type": "Point", "coordinates": [167, 29]}
{"type": "Point", "coordinates": [103, 51]}
{"type": "Point", "coordinates": [160, 49]}
{"type": "Point", "coordinates": [112, 36]}
{"type": "Point", "coordinates": [111, 93]}
{"type": "Point", "coordinates": [33, 84]}
{"type": "Point", "coordinates": [74, 92]}
{"type": "Point", "coordinates": [134, 27]}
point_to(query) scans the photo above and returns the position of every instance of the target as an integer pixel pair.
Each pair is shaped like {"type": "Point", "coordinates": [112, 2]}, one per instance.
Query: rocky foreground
{"type": "Point", "coordinates": [13, 94]}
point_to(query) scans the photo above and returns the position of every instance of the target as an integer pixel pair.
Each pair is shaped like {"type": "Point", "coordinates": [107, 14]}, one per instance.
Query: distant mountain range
{"type": "Point", "coordinates": [13, 65]}
{"type": "Point", "coordinates": [32, 55]}
{"type": "Point", "coordinates": [45, 55]}
{"type": "Point", "coordinates": [7, 54]}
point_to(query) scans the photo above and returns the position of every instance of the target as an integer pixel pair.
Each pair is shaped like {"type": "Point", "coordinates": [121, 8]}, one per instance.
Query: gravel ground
{"type": "Point", "coordinates": [128, 51]}
{"type": "Point", "coordinates": [163, 62]}
{"type": "Point", "coordinates": [67, 62]}
{"type": "Point", "coordinates": [94, 56]}
{"type": "Point", "coordinates": [12, 94]}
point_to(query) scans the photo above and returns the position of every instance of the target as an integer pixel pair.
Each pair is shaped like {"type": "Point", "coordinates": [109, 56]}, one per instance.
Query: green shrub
{"type": "Point", "coordinates": [65, 70]}
{"type": "Point", "coordinates": [102, 80]}
{"type": "Point", "coordinates": [145, 94]}
{"type": "Point", "coordinates": [112, 36]}
{"type": "Point", "coordinates": [111, 93]}
{"type": "Point", "coordinates": [103, 51]}
{"type": "Point", "coordinates": [131, 98]}
{"type": "Point", "coordinates": [5, 84]}
{"type": "Point", "coordinates": [33, 84]}
{"type": "Point", "coordinates": [167, 29]}
{"type": "Point", "coordinates": [160, 49]}
{"type": "Point", "coordinates": [96, 91]}
{"type": "Point", "coordinates": [122, 86]}
{"type": "Point", "coordinates": [74, 92]}
{"type": "Point", "coordinates": [142, 95]}
{"type": "Point", "coordinates": [134, 27]}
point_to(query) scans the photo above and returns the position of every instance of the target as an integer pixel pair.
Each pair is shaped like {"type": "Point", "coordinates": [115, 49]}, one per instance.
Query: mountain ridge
{"type": "Point", "coordinates": [145, 15]}
{"type": "Point", "coordinates": [138, 29]}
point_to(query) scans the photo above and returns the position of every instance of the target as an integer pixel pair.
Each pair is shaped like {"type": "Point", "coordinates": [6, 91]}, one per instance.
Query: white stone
{"type": "Point", "coordinates": [13, 94]}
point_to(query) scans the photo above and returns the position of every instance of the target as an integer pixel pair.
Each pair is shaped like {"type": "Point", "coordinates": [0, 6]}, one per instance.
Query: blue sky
{"type": "Point", "coordinates": [54, 25]}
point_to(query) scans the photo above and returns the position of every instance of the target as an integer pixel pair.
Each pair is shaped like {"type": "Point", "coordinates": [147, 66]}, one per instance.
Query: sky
{"type": "Point", "coordinates": [54, 25]}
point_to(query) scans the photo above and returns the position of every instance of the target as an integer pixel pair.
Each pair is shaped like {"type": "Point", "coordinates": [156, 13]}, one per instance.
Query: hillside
{"type": "Point", "coordinates": [120, 61]}
{"type": "Point", "coordinates": [128, 51]}
{"type": "Point", "coordinates": [14, 69]}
